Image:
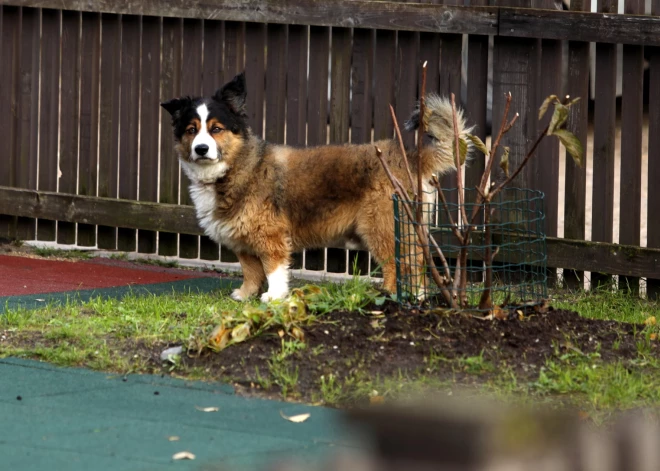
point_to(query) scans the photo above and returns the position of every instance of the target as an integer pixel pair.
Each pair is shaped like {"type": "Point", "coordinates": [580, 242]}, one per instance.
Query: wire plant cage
{"type": "Point", "coordinates": [519, 268]}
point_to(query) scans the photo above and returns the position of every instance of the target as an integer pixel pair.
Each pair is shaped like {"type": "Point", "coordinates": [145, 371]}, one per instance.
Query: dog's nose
{"type": "Point", "coordinates": [201, 149]}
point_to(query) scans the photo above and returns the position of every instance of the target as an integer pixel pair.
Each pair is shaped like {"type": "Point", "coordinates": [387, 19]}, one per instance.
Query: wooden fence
{"type": "Point", "coordinates": [89, 151]}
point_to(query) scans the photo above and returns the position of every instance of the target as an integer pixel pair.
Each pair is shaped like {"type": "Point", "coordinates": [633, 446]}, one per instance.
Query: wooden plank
{"type": "Point", "coordinates": [361, 86]}
{"type": "Point", "coordinates": [234, 50]}
{"type": "Point", "coordinates": [50, 97]}
{"type": "Point", "coordinates": [476, 107]}
{"type": "Point", "coordinates": [602, 205]}
{"type": "Point", "coordinates": [255, 71]}
{"type": "Point", "coordinates": [653, 222]}
{"type": "Point", "coordinates": [340, 85]}
{"type": "Point", "coordinates": [170, 87]}
{"type": "Point", "coordinates": [276, 83]}
{"type": "Point", "coordinates": [191, 84]}
{"type": "Point", "coordinates": [576, 177]}
{"type": "Point", "coordinates": [131, 43]}
{"type": "Point", "coordinates": [579, 26]}
{"type": "Point", "coordinates": [214, 35]}
{"type": "Point", "coordinates": [317, 110]}
{"type": "Point", "coordinates": [339, 13]}
{"type": "Point", "coordinates": [573, 254]}
{"type": "Point", "coordinates": [70, 107]}
{"type": "Point", "coordinates": [384, 86]}
{"type": "Point", "coordinates": [149, 114]}
{"type": "Point", "coordinates": [9, 83]}
{"type": "Point", "coordinates": [407, 71]}
{"type": "Point", "coordinates": [109, 109]}
{"type": "Point", "coordinates": [296, 96]}
{"type": "Point", "coordinates": [89, 117]}
{"type": "Point", "coordinates": [28, 113]}
{"type": "Point", "coordinates": [632, 109]}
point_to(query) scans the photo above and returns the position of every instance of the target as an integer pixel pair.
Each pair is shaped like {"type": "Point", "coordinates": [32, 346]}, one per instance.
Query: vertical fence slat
{"type": "Point", "coordinates": [361, 111]}
{"type": "Point", "coordinates": [69, 127]}
{"type": "Point", "coordinates": [211, 81]}
{"type": "Point", "coordinates": [149, 111]}
{"type": "Point", "coordinates": [296, 96]}
{"type": "Point", "coordinates": [276, 83]}
{"type": "Point", "coordinates": [602, 221]}
{"type": "Point", "coordinates": [129, 125]}
{"type": "Point", "coordinates": [544, 166]}
{"type": "Point", "coordinates": [476, 106]}
{"type": "Point", "coordinates": [317, 109]}
{"type": "Point", "coordinates": [407, 71]}
{"type": "Point", "coordinates": [191, 84]}
{"type": "Point", "coordinates": [109, 112]}
{"type": "Point", "coordinates": [89, 117]}
{"type": "Point", "coordinates": [170, 87]}
{"type": "Point", "coordinates": [576, 177]}
{"type": "Point", "coordinates": [340, 83]}
{"type": "Point", "coordinates": [48, 129]}
{"type": "Point", "coordinates": [384, 84]}
{"type": "Point", "coordinates": [653, 222]}
{"type": "Point", "coordinates": [631, 143]}
{"type": "Point", "coordinates": [28, 110]}
{"type": "Point", "coordinates": [255, 70]}
{"type": "Point", "coordinates": [9, 80]}
{"type": "Point", "coordinates": [234, 63]}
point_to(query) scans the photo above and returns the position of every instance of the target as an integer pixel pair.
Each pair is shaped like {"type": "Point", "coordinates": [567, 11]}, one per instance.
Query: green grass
{"type": "Point", "coordinates": [59, 253]}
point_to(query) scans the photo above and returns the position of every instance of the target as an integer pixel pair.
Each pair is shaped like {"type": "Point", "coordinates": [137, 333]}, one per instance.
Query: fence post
{"type": "Point", "coordinates": [652, 220]}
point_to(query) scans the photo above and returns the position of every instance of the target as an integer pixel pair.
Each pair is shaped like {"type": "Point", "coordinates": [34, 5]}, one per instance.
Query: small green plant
{"type": "Point", "coordinates": [330, 389]}
{"type": "Point", "coordinates": [59, 253]}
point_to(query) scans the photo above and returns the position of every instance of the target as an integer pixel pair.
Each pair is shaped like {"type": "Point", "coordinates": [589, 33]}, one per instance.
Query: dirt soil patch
{"type": "Point", "coordinates": [388, 341]}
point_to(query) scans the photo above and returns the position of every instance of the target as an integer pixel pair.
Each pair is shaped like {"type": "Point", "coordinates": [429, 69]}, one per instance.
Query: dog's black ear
{"type": "Point", "coordinates": [174, 105]}
{"type": "Point", "coordinates": [234, 94]}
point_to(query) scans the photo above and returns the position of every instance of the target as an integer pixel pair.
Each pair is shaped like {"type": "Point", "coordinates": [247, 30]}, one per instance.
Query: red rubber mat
{"type": "Point", "coordinates": [22, 275]}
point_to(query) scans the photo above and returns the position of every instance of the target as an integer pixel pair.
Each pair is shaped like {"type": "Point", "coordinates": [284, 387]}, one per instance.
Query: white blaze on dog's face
{"type": "Point", "coordinates": [203, 148]}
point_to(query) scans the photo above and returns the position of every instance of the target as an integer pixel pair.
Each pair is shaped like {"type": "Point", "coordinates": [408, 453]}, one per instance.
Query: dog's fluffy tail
{"type": "Point", "coordinates": [439, 125]}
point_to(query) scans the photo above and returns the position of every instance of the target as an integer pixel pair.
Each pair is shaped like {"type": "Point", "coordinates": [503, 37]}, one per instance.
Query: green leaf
{"type": "Point", "coordinates": [572, 144]}
{"type": "Point", "coordinates": [478, 143]}
{"type": "Point", "coordinates": [463, 149]}
{"type": "Point", "coordinates": [546, 103]}
{"type": "Point", "coordinates": [572, 102]}
{"type": "Point", "coordinates": [559, 117]}
{"type": "Point", "coordinates": [504, 161]}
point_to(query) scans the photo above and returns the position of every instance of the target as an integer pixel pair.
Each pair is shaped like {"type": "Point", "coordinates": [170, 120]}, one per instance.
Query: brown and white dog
{"type": "Point", "coordinates": [266, 201]}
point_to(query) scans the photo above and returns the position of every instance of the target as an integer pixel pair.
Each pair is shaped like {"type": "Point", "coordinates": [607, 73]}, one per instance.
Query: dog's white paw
{"type": "Point", "coordinates": [237, 295]}
{"type": "Point", "coordinates": [272, 296]}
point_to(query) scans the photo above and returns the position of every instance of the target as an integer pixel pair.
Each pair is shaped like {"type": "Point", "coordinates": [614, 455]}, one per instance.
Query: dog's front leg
{"type": "Point", "coordinates": [253, 277]}
{"type": "Point", "coordinates": [277, 273]}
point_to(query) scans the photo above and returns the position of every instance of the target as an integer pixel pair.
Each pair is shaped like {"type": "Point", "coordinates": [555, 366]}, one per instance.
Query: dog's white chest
{"type": "Point", "coordinates": [204, 199]}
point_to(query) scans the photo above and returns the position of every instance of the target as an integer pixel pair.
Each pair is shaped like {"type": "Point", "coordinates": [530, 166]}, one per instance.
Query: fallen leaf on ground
{"type": "Point", "coordinates": [207, 409]}
{"type": "Point", "coordinates": [220, 337]}
{"type": "Point", "coordinates": [653, 336]}
{"type": "Point", "coordinates": [376, 400]}
{"type": "Point", "coordinates": [183, 455]}
{"type": "Point", "coordinates": [650, 321]}
{"type": "Point", "coordinates": [173, 438]}
{"type": "Point", "coordinates": [295, 418]}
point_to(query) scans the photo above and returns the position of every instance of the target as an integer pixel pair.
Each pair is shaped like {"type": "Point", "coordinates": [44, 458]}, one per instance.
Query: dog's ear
{"type": "Point", "coordinates": [175, 105]}
{"type": "Point", "coordinates": [234, 94]}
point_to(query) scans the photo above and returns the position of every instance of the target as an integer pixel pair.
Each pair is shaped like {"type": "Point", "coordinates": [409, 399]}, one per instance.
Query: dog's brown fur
{"type": "Point", "coordinates": [270, 201]}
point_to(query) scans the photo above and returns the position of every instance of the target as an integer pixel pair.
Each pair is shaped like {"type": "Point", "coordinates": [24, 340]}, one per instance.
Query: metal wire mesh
{"type": "Point", "coordinates": [518, 239]}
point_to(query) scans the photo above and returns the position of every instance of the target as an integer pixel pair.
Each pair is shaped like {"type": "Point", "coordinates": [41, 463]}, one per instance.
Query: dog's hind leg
{"type": "Point", "coordinates": [376, 229]}
{"type": "Point", "coordinates": [253, 277]}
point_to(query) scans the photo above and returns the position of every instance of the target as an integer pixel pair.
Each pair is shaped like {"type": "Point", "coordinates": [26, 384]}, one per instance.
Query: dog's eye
{"type": "Point", "coordinates": [192, 130]}
{"type": "Point", "coordinates": [216, 130]}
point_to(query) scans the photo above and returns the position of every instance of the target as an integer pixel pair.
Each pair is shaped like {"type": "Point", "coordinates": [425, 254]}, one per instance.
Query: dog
{"type": "Point", "coordinates": [267, 201]}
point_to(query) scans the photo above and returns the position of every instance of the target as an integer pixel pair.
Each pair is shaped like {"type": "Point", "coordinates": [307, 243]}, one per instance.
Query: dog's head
{"type": "Point", "coordinates": [209, 130]}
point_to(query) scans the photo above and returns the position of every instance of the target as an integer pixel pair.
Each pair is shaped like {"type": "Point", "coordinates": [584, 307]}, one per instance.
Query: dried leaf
{"type": "Point", "coordinates": [207, 409]}
{"type": "Point", "coordinates": [298, 334]}
{"type": "Point", "coordinates": [173, 438]}
{"type": "Point", "coordinates": [572, 102]}
{"type": "Point", "coordinates": [650, 321]}
{"type": "Point", "coordinates": [374, 400]}
{"type": "Point", "coordinates": [559, 117]}
{"type": "Point", "coordinates": [295, 418]}
{"type": "Point", "coordinates": [281, 333]}
{"type": "Point", "coordinates": [240, 332]}
{"type": "Point", "coordinates": [219, 337]}
{"type": "Point", "coordinates": [546, 103]}
{"type": "Point", "coordinates": [498, 313]}
{"type": "Point", "coordinates": [572, 144]}
{"type": "Point", "coordinates": [183, 455]}
{"type": "Point", "coordinates": [478, 143]}
{"type": "Point", "coordinates": [463, 149]}
{"type": "Point", "coordinates": [504, 161]}
{"type": "Point", "coordinates": [653, 336]}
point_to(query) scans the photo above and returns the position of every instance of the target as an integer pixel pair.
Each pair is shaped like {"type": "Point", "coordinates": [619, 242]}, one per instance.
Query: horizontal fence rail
{"type": "Point", "coordinates": [89, 152]}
